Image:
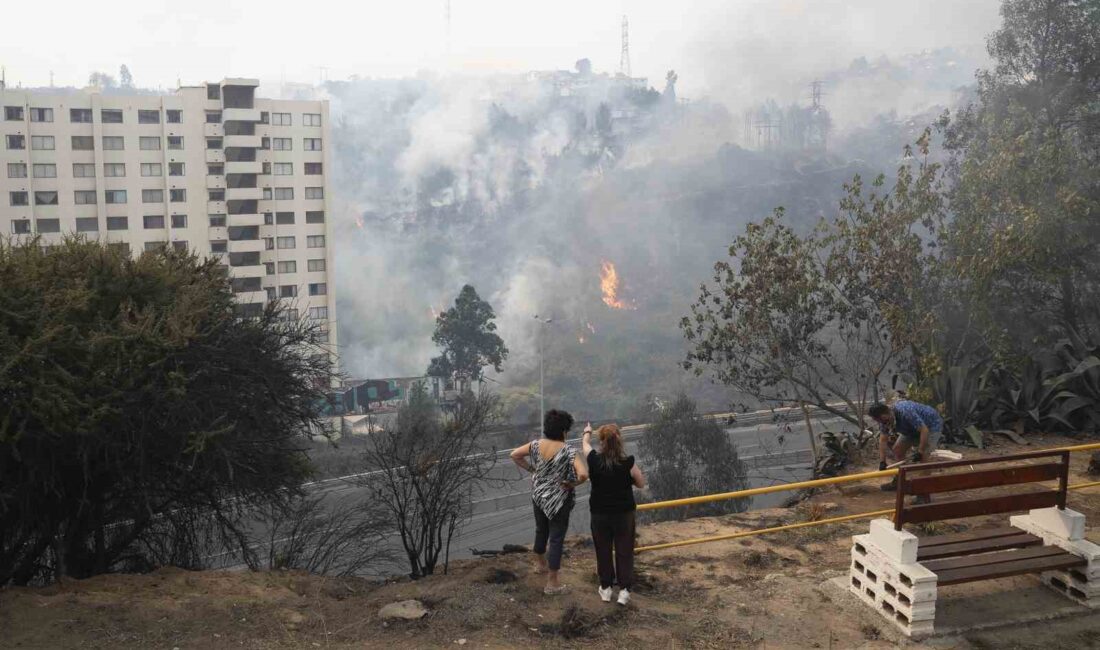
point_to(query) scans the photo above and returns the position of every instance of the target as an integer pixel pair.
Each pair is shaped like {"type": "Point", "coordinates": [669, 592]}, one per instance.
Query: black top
{"type": "Point", "coordinates": [612, 486]}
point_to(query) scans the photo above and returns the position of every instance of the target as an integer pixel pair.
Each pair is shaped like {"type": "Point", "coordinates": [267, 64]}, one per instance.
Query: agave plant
{"type": "Point", "coordinates": [959, 392]}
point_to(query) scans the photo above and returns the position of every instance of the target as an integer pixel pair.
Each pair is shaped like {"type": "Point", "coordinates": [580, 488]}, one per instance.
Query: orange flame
{"type": "Point", "coordinates": [609, 285]}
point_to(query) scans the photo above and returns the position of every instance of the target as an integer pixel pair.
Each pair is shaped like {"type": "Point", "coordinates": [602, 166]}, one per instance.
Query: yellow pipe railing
{"type": "Point", "coordinates": [801, 485]}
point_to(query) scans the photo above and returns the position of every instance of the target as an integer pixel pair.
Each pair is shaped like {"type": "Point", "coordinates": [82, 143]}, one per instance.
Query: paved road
{"type": "Point", "coordinates": [773, 453]}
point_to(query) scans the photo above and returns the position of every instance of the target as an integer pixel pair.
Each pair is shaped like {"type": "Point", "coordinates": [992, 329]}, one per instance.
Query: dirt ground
{"type": "Point", "coordinates": [761, 592]}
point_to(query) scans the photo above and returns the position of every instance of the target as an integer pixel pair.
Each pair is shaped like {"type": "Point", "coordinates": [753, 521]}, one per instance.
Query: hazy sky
{"type": "Point", "coordinates": [198, 40]}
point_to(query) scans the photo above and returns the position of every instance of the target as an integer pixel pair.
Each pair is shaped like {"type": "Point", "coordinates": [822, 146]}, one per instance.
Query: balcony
{"type": "Point", "coordinates": [216, 233]}
{"type": "Point", "coordinates": [242, 141]}
{"type": "Point", "coordinates": [246, 246]}
{"type": "Point", "coordinates": [212, 130]}
{"type": "Point", "coordinates": [240, 115]}
{"type": "Point", "coordinates": [252, 167]}
{"type": "Point", "coordinates": [246, 220]}
{"type": "Point", "coordinates": [244, 193]}
{"type": "Point", "coordinates": [215, 156]}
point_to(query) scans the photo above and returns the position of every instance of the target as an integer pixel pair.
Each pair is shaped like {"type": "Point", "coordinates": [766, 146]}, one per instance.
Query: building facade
{"type": "Point", "coordinates": [212, 169]}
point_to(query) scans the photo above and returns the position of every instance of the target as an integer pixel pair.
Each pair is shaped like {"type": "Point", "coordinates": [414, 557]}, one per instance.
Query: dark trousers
{"type": "Point", "coordinates": [552, 532]}
{"type": "Point", "coordinates": [614, 531]}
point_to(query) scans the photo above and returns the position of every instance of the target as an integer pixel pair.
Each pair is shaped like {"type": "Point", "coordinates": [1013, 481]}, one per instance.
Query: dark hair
{"type": "Point", "coordinates": [878, 410]}
{"type": "Point", "coordinates": [556, 424]}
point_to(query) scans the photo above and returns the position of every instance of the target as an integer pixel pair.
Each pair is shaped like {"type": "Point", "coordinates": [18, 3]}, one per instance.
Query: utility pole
{"type": "Point", "coordinates": [624, 57]}
{"type": "Point", "coordinates": [543, 322]}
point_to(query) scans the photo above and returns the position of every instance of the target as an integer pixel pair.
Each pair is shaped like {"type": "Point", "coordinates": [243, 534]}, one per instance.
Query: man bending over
{"type": "Point", "coordinates": [917, 425]}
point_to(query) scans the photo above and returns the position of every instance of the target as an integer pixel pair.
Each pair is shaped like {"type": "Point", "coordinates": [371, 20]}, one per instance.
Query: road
{"type": "Point", "coordinates": [772, 452]}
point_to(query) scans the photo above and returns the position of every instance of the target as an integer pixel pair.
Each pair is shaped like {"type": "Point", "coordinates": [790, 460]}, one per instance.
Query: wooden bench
{"type": "Point", "coordinates": [985, 554]}
{"type": "Point", "coordinates": [900, 574]}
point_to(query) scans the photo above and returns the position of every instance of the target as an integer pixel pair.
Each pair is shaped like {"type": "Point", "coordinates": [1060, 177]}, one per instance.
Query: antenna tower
{"type": "Point", "coordinates": [815, 93]}
{"type": "Point", "coordinates": [624, 58]}
{"type": "Point", "coordinates": [447, 24]}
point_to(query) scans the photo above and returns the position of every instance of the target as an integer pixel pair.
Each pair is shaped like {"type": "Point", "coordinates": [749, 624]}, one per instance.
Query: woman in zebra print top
{"type": "Point", "coordinates": [557, 471]}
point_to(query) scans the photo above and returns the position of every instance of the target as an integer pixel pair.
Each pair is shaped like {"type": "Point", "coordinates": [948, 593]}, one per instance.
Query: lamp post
{"type": "Point", "coordinates": [543, 322]}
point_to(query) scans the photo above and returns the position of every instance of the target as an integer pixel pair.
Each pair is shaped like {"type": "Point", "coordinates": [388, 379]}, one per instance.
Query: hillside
{"type": "Point", "coordinates": [771, 591]}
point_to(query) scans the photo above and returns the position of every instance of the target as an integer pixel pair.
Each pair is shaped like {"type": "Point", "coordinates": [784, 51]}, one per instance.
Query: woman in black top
{"type": "Point", "coordinates": [614, 476]}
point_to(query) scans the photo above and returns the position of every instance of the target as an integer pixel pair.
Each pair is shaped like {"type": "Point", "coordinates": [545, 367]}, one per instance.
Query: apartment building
{"type": "Point", "coordinates": [211, 168]}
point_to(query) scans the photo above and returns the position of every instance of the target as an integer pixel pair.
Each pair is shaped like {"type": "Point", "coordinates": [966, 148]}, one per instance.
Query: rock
{"type": "Point", "coordinates": [409, 610]}
{"type": "Point", "coordinates": [461, 642]}
{"type": "Point", "coordinates": [291, 617]}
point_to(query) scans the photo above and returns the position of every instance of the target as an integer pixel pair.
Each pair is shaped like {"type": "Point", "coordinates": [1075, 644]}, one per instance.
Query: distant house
{"type": "Point", "coordinates": [362, 396]}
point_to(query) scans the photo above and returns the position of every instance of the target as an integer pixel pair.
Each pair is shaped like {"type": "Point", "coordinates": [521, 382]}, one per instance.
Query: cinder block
{"type": "Point", "coordinates": [1066, 524]}
{"type": "Point", "coordinates": [898, 545]}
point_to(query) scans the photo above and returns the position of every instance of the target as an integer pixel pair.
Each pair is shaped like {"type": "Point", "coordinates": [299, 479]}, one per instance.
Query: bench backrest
{"type": "Point", "coordinates": [1030, 467]}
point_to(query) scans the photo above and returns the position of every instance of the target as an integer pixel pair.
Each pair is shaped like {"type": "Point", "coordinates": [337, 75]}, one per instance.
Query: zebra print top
{"type": "Point", "coordinates": [547, 491]}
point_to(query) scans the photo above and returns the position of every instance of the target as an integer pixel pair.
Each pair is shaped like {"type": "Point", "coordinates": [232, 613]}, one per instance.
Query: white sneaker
{"type": "Point", "coordinates": [624, 597]}
{"type": "Point", "coordinates": [605, 594]}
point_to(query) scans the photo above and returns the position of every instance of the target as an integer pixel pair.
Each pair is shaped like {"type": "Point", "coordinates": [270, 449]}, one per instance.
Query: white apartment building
{"type": "Point", "coordinates": [211, 168]}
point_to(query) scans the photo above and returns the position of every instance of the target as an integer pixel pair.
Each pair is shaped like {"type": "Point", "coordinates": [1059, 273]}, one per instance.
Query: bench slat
{"type": "Point", "coordinates": [1005, 569]}
{"type": "Point", "coordinates": [983, 478]}
{"type": "Point", "coordinates": [969, 536]}
{"type": "Point", "coordinates": [983, 559]}
{"type": "Point", "coordinates": [1020, 540]}
{"type": "Point", "coordinates": [974, 507]}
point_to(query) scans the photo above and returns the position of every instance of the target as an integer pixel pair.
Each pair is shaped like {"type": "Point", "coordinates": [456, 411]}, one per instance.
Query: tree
{"type": "Point", "coordinates": [429, 468]}
{"type": "Point", "coordinates": [102, 80]}
{"type": "Point", "coordinates": [124, 77]}
{"type": "Point", "coordinates": [685, 454]}
{"type": "Point", "coordinates": [140, 416]}
{"type": "Point", "coordinates": [467, 335]}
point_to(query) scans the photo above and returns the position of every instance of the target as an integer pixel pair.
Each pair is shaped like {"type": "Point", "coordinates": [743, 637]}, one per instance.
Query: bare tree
{"type": "Point", "coordinates": [429, 468]}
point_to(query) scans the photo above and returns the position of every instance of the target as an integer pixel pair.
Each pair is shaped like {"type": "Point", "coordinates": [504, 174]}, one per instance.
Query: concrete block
{"type": "Point", "coordinates": [898, 545]}
{"type": "Point", "coordinates": [1066, 524]}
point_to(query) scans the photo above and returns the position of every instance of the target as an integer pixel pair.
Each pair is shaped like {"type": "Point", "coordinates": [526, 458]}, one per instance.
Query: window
{"type": "Point", "coordinates": [318, 313]}
{"type": "Point", "coordinates": [244, 233]}
{"type": "Point", "coordinates": [284, 242]}
{"type": "Point", "coordinates": [311, 144]}
{"type": "Point", "coordinates": [282, 144]}
{"type": "Point", "coordinates": [154, 246]}
{"type": "Point", "coordinates": [265, 143]}
{"type": "Point", "coordinates": [80, 115]}
{"type": "Point", "coordinates": [315, 192]}
{"type": "Point", "coordinates": [288, 267]}
{"type": "Point", "coordinates": [152, 169]}
{"type": "Point", "coordinates": [17, 170]}
{"type": "Point", "coordinates": [313, 169]}
{"type": "Point", "coordinates": [175, 142]}
{"type": "Point", "coordinates": [284, 169]}
{"type": "Point", "coordinates": [20, 226]}
{"type": "Point", "coordinates": [47, 225]}
{"type": "Point", "coordinates": [216, 220]}
{"type": "Point", "coordinates": [288, 291]}
{"type": "Point", "coordinates": [218, 246]}
{"type": "Point", "coordinates": [45, 198]}
{"type": "Point", "coordinates": [179, 221]}
{"type": "Point", "coordinates": [215, 195]}
{"type": "Point", "coordinates": [269, 243]}
{"type": "Point", "coordinates": [42, 115]}
{"type": "Point", "coordinates": [284, 218]}
{"type": "Point", "coordinates": [122, 248]}
{"type": "Point", "coordinates": [13, 113]}
{"type": "Point", "coordinates": [82, 142]}
{"type": "Point", "coordinates": [265, 168]}
{"type": "Point", "coordinates": [213, 117]}
{"type": "Point", "coordinates": [311, 119]}
{"type": "Point", "coordinates": [318, 289]}
{"type": "Point", "coordinates": [284, 193]}
{"type": "Point", "coordinates": [110, 116]}
{"type": "Point", "coordinates": [84, 197]}
{"type": "Point", "coordinates": [83, 170]}
{"type": "Point", "coordinates": [213, 91]}
{"type": "Point", "coordinates": [213, 143]}
{"type": "Point", "coordinates": [152, 196]}
{"type": "Point", "coordinates": [153, 221]}
{"type": "Point", "coordinates": [87, 224]}
{"type": "Point", "coordinates": [179, 245]}
{"type": "Point", "coordinates": [17, 142]}
{"type": "Point", "coordinates": [114, 169]}
{"type": "Point", "coordinates": [18, 198]}
{"type": "Point", "coordinates": [117, 223]}
{"type": "Point", "coordinates": [315, 265]}
{"type": "Point", "coordinates": [266, 194]}
{"type": "Point", "coordinates": [148, 117]}
{"type": "Point", "coordinates": [43, 170]}
{"type": "Point", "coordinates": [149, 143]}
{"type": "Point", "coordinates": [270, 293]}
{"type": "Point", "coordinates": [269, 219]}
{"type": "Point", "coordinates": [42, 142]}
{"type": "Point", "coordinates": [173, 116]}
{"type": "Point", "coordinates": [215, 170]}
{"type": "Point", "coordinates": [177, 196]}
{"type": "Point", "coordinates": [113, 143]}
{"type": "Point", "coordinates": [175, 169]}
{"type": "Point", "coordinates": [264, 117]}
{"type": "Point", "coordinates": [315, 241]}
{"type": "Point", "coordinates": [280, 119]}
{"type": "Point", "coordinates": [269, 269]}
{"type": "Point", "coordinates": [114, 196]}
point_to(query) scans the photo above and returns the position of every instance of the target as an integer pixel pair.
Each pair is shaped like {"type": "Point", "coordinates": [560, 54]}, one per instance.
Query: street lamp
{"type": "Point", "coordinates": [543, 322]}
